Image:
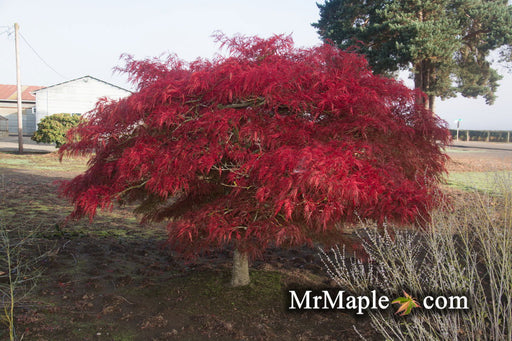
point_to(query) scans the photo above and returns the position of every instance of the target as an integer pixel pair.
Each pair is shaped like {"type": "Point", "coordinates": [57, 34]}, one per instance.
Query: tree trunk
{"type": "Point", "coordinates": [431, 103]}
{"type": "Point", "coordinates": [420, 82]}
{"type": "Point", "coordinates": [422, 74]}
{"type": "Point", "coordinates": [240, 269]}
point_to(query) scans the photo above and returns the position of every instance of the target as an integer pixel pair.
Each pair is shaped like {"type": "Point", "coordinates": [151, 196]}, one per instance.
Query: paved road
{"type": "Point", "coordinates": [482, 146]}
{"type": "Point", "coordinates": [10, 144]}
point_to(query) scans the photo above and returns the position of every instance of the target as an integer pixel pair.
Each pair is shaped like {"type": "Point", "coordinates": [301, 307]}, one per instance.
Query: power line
{"type": "Point", "coordinates": [41, 58]}
{"type": "Point", "coordinates": [7, 31]}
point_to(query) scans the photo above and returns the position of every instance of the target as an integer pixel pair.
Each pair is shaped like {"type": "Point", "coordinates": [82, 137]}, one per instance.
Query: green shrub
{"type": "Point", "coordinates": [53, 128]}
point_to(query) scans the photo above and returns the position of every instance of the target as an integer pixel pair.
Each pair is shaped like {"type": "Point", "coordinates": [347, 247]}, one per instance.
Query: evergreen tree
{"type": "Point", "coordinates": [446, 44]}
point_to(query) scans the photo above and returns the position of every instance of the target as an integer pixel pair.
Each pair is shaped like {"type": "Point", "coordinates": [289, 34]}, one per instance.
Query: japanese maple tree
{"type": "Point", "coordinates": [270, 145]}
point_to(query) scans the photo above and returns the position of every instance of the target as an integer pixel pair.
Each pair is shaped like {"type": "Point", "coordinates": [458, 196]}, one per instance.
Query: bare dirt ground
{"type": "Point", "coordinates": [113, 279]}
{"type": "Point", "coordinates": [479, 156]}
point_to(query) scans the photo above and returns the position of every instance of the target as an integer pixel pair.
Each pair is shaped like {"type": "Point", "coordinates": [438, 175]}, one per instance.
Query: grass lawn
{"type": "Point", "coordinates": [42, 162]}
{"type": "Point", "coordinates": [479, 181]}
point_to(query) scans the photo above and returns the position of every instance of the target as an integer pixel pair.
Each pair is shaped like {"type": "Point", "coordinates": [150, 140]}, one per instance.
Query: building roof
{"type": "Point", "coordinates": [10, 93]}
{"type": "Point", "coordinates": [72, 80]}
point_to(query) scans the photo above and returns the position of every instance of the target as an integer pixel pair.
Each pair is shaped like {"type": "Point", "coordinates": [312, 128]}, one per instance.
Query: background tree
{"type": "Point", "coordinates": [446, 44]}
{"type": "Point", "coordinates": [53, 128]}
{"type": "Point", "coordinates": [268, 146]}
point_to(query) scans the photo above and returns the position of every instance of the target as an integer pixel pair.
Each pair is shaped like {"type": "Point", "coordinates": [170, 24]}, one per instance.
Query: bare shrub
{"type": "Point", "coordinates": [467, 250]}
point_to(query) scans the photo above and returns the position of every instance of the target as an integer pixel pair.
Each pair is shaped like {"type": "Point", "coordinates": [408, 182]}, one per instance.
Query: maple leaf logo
{"type": "Point", "coordinates": [406, 304]}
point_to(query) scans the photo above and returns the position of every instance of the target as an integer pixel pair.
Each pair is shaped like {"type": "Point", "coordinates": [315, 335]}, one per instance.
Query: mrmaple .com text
{"type": "Point", "coordinates": [340, 300]}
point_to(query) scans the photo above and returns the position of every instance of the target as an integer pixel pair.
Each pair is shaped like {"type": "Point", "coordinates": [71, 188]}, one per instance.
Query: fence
{"type": "Point", "coordinates": [482, 135]}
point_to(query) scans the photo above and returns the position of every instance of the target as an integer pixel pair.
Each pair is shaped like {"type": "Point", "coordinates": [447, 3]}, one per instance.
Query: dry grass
{"type": "Point", "coordinates": [465, 251]}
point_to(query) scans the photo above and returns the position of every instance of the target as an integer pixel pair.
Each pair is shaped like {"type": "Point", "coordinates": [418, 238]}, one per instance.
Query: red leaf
{"type": "Point", "coordinates": [267, 145]}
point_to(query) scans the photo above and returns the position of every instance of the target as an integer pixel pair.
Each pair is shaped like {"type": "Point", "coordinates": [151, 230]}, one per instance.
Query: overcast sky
{"type": "Point", "coordinates": [78, 38]}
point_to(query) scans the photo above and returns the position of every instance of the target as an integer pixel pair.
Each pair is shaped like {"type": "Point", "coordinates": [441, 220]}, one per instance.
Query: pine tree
{"type": "Point", "coordinates": [446, 44]}
{"type": "Point", "coordinates": [267, 146]}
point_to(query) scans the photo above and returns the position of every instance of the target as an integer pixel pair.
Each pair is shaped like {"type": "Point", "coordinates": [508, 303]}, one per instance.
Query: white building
{"type": "Point", "coordinates": [76, 96]}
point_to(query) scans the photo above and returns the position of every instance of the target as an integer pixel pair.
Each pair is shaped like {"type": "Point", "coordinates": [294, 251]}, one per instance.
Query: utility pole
{"type": "Point", "coordinates": [458, 126]}
{"type": "Point", "coordinates": [18, 83]}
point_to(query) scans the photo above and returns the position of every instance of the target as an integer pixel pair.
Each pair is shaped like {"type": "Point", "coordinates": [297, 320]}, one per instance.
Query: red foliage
{"type": "Point", "coordinates": [269, 145]}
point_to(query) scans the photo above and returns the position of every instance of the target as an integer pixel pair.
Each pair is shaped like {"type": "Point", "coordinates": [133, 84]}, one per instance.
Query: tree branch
{"type": "Point", "coordinates": [256, 102]}
{"type": "Point", "coordinates": [132, 187]}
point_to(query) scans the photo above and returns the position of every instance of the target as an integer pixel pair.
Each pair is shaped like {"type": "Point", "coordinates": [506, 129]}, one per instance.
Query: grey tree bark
{"type": "Point", "coordinates": [240, 269]}
{"type": "Point", "coordinates": [431, 103]}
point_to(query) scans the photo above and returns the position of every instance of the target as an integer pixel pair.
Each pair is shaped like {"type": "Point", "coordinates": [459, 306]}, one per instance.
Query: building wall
{"type": "Point", "coordinates": [4, 126]}
{"type": "Point", "coordinates": [29, 122]}
{"type": "Point", "coordinates": [74, 97]}
{"type": "Point", "coordinates": [9, 110]}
